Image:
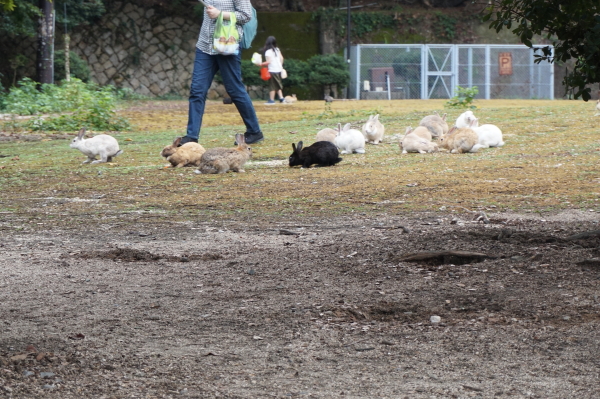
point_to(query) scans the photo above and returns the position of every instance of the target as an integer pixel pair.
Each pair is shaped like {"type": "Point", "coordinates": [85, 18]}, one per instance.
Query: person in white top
{"type": "Point", "coordinates": [274, 62]}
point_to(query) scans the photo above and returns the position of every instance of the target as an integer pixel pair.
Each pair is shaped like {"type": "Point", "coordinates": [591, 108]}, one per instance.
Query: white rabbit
{"type": "Point", "coordinates": [373, 130]}
{"type": "Point", "coordinates": [327, 134]}
{"type": "Point", "coordinates": [465, 119]}
{"type": "Point", "coordinates": [489, 135]}
{"type": "Point", "coordinates": [350, 140]}
{"type": "Point", "coordinates": [415, 143]}
{"type": "Point", "coordinates": [436, 124]}
{"type": "Point", "coordinates": [101, 145]}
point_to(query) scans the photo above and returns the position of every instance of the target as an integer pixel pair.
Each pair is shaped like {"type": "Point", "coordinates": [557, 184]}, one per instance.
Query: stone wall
{"type": "Point", "coordinates": [136, 48]}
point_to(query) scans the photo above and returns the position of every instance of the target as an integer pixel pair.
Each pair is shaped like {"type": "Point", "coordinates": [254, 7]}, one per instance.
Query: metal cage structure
{"type": "Point", "coordinates": [429, 71]}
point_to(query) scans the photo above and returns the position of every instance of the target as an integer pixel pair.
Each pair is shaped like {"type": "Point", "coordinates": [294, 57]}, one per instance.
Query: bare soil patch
{"type": "Point", "coordinates": [304, 308]}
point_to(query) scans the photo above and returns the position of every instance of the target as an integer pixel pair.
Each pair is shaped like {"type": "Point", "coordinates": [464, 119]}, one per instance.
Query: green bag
{"type": "Point", "coordinates": [226, 40]}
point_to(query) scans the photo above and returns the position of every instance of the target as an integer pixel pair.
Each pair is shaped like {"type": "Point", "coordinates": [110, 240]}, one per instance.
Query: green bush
{"type": "Point", "coordinates": [298, 72]}
{"type": "Point", "coordinates": [81, 105]}
{"type": "Point", "coordinates": [78, 67]}
{"type": "Point", "coordinates": [251, 74]}
{"type": "Point", "coordinates": [328, 70]}
{"type": "Point", "coordinates": [464, 98]}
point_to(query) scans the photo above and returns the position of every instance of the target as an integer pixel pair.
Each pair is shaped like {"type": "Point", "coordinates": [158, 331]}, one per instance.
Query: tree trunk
{"type": "Point", "coordinates": [45, 50]}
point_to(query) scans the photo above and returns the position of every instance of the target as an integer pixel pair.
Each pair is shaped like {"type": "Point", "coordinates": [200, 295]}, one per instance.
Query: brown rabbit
{"type": "Point", "coordinates": [460, 140]}
{"type": "Point", "coordinates": [188, 154]}
{"type": "Point", "coordinates": [221, 159]}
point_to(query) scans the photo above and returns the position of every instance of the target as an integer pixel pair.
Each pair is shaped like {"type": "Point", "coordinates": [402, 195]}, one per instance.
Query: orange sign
{"type": "Point", "coordinates": [505, 64]}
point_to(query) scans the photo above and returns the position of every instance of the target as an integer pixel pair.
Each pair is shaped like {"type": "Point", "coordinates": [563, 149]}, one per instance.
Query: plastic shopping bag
{"type": "Point", "coordinates": [226, 38]}
{"type": "Point", "coordinates": [256, 59]}
{"type": "Point", "coordinates": [264, 73]}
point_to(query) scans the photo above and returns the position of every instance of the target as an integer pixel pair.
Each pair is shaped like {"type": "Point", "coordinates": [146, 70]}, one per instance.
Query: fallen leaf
{"type": "Point", "coordinates": [19, 357]}
{"type": "Point", "coordinates": [40, 356]}
{"type": "Point", "coordinates": [31, 349]}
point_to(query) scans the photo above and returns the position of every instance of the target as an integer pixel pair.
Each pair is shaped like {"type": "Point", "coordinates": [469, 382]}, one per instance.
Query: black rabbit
{"type": "Point", "coordinates": [322, 153]}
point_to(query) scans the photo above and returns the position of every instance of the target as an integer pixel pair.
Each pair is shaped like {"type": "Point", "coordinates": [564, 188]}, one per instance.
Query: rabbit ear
{"type": "Point", "coordinates": [299, 148]}
{"type": "Point", "coordinates": [376, 117]}
{"type": "Point", "coordinates": [177, 141]}
{"type": "Point", "coordinates": [444, 117]}
{"type": "Point", "coordinates": [81, 133]}
{"type": "Point", "coordinates": [408, 130]}
{"type": "Point", "coordinates": [339, 127]}
{"type": "Point", "coordinates": [473, 122]}
{"type": "Point", "coordinates": [240, 139]}
{"type": "Point", "coordinates": [346, 127]}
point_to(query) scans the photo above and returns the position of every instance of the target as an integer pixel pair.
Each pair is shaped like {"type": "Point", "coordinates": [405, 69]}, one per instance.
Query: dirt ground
{"type": "Point", "coordinates": [302, 308]}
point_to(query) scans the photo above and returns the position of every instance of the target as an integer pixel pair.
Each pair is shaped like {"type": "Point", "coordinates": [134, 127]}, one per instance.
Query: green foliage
{"type": "Point", "coordinates": [328, 70]}
{"type": "Point", "coordinates": [3, 95]}
{"type": "Point", "coordinates": [21, 19]}
{"type": "Point", "coordinates": [463, 99]}
{"type": "Point", "coordinates": [22, 15]}
{"type": "Point", "coordinates": [251, 74]}
{"type": "Point", "coordinates": [78, 67]}
{"type": "Point", "coordinates": [573, 27]}
{"type": "Point", "coordinates": [7, 5]}
{"type": "Point", "coordinates": [298, 72]}
{"type": "Point", "coordinates": [361, 24]}
{"type": "Point", "coordinates": [81, 105]}
{"type": "Point", "coordinates": [445, 26]}
{"type": "Point", "coordinates": [366, 22]}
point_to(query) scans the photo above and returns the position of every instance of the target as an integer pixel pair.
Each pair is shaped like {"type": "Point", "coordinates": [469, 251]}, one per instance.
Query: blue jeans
{"type": "Point", "coordinates": [205, 68]}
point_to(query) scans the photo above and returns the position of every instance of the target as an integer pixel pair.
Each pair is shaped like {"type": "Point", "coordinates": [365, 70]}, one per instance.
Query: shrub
{"type": "Point", "coordinates": [328, 70]}
{"type": "Point", "coordinates": [464, 98]}
{"type": "Point", "coordinates": [251, 74]}
{"type": "Point", "coordinates": [298, 72]}
{"type": "Point", "coordinates": [81, 105]}
{"type": "Point", "coordinates": [77, 66]}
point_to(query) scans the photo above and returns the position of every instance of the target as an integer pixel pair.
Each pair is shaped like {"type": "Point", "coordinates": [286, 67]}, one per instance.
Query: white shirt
{"type": "Point", "coordinates": [275, 60]}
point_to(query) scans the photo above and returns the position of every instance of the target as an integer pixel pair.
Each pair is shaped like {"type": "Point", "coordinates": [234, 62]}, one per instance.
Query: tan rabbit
{"type": "Point", "coordinates": [290, 99]}
{"type": "Point", "coordinates": [436, 124]}
{"type": "Point", "coordinates": [222, 160]}
{"type": "Point", "coordinates": [420, 131]}
{"type": "Point", "coordinates": [373, 130]}
{"type": "Point", "coordinates": [188, 154]}
{"type": "Point", "coordinates": [415, 143]}
{"type": "Point", "coordinates": [460, 140]}
{"type": "Point", "coordinates": [327, 134]}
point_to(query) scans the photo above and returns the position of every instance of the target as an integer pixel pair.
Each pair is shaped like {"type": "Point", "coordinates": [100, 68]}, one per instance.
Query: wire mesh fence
{"type": "Point", "coordinates": [415, 71]}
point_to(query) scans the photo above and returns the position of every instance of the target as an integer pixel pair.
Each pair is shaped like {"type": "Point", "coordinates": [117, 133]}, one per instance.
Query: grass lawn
{"type": "Point", "coordinates": [549, 163]}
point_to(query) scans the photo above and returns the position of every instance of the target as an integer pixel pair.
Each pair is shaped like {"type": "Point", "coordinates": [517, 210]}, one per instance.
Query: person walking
{"type": "Point", "coordinates": [274, 62]}
{"type": "Point", "coordinates": [206, 64]}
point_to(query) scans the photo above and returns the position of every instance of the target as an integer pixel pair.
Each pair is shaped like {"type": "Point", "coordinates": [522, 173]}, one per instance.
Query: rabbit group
{"type": "Point", "coordinates": [465, 136]}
